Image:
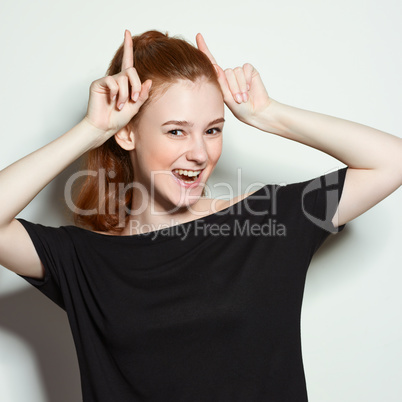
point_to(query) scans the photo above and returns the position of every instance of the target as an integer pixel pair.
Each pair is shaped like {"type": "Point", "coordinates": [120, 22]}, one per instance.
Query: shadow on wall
{"type": "Point", "coordinates": [38, 322]}
{"type": "Point", "coordinates": [44, 327]}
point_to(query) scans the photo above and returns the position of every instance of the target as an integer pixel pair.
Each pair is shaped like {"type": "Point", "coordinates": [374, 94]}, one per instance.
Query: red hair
{"type": "Point", "coordinates": [164, 60]}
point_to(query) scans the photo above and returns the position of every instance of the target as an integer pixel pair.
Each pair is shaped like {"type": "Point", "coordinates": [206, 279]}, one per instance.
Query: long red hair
{"type": "Point", "coordinates": [164, 60]}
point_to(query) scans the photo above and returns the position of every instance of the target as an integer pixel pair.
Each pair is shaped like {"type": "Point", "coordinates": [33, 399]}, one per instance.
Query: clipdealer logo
{"type": "Point", "coordinates": [267, 226]}
{"type": "Point", "coordinates": [329, 183]}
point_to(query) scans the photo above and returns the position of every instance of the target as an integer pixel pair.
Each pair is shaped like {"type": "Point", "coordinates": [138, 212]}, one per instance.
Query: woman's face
{"type": "Point", "coordinates": [180, 130]}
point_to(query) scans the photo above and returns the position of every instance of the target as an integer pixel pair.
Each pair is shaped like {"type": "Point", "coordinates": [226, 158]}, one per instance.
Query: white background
{"type": "Point", "coordinates": [340, 58]}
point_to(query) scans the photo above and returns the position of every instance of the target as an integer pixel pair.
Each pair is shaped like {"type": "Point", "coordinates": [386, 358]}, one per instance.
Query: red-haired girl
{"type": "Point", "coordinates": [172, 295]}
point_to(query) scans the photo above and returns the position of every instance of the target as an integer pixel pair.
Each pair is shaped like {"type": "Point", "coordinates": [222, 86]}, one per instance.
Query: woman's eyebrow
{"type": "Point", "coordinates": [216, 121]}
{"type": "Point", "coordinates": [186, 123]}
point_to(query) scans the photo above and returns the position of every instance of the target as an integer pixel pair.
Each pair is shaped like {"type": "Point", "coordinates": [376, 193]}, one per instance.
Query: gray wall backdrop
{"type": "Point", "coordinates": [336, 57]}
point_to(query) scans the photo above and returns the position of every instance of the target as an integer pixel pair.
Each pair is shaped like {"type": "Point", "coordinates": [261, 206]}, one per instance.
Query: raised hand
{"type": "Point", "coordinates": [243, 90]}
{"type": "Point", "coordinates": [114, 100]}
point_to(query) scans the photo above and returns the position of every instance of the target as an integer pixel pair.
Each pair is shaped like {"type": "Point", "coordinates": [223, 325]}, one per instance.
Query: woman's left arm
{"type": "Point", "coordinates": [373, 157]}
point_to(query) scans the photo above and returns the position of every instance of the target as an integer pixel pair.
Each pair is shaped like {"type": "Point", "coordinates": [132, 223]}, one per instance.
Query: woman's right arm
{"type": "Point", "coordinates": [23, 180]}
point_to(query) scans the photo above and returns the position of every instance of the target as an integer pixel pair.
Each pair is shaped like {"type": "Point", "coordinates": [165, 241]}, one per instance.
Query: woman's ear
{"type": "Point", "coordinates": [125, 138]}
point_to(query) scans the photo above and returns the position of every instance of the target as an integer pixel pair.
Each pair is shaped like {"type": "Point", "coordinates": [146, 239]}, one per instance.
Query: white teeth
{"type": "Point", "coordinates": [189, 173]}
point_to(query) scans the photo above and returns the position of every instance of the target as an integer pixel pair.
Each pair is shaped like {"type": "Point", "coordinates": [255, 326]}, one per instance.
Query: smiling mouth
{"type": "Point", "coordinates": [188, 176]}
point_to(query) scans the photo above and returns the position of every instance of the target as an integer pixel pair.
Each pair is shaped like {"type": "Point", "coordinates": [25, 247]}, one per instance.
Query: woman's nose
{"type": "Point", "coordinates": [197, 151]}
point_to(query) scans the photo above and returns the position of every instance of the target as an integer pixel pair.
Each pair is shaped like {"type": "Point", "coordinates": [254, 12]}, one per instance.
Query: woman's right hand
{"type": "Point", "coordinates": [115, 99]}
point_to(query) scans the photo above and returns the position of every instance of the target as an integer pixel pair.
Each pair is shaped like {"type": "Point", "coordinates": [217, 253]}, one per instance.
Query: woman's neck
{"type": "Point", "coordinates": [155, 217]}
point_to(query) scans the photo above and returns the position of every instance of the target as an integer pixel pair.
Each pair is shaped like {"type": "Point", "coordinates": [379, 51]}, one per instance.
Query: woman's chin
{"type": "Point", "coordinates": [186, 194]}
{"type": "Point", "coordinates": [188, 199]}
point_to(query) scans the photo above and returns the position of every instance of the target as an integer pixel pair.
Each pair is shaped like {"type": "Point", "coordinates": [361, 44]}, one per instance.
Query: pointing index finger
{"type": "Point", "coordinates": [128, 58]}
{"type": "Point", "coordinates": [204, 48]}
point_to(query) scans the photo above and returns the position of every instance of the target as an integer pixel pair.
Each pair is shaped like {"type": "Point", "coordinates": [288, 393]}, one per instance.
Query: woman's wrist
{"type": "Point", "coordinates": [270, 119]}
{"type": "Point", "coordinates": [95, 135]}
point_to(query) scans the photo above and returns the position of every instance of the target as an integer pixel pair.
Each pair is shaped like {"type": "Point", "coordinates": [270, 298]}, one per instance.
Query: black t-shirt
{"type": "Point", "coordinates": [204, 311]}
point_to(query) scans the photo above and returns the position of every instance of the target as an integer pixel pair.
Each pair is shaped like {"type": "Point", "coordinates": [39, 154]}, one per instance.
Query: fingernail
{"type": "Point", "coordinates": [114, 97]}
{"type": "Point", "coordinates": [136, 96]}
{"type": "Point", "coordinates": [121, 106]}
{"type": "Point", "coordinates": [248, 87]}
{"type": "Point", "coordinates": [245, 96]}
{"type": "Point", "coordinates": [239, 98]}
{"type": "Point", "coordinates": [216, 69]}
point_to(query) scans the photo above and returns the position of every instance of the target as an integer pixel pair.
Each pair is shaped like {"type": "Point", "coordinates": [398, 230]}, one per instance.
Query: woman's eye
{"type": "Point", "coordinates": [176, 133]}
{"type": "Point", "coordinates": [213, 130]}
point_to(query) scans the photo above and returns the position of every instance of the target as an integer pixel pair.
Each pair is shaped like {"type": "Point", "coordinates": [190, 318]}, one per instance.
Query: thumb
{"type": "Point", "coordinates": [227, 95]}
{"type": "Point", "coordinates": [144, 94]}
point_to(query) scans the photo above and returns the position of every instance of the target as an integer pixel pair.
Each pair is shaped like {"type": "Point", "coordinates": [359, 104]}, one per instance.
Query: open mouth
{"type": "Point", "coordinates": [187, 176]}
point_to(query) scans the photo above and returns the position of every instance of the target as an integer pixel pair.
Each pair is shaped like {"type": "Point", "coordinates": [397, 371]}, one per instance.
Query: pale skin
{"type": "Point", "coordinates": [373, 157]}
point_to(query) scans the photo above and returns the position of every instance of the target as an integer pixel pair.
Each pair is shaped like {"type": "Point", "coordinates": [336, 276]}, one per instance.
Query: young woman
{"type": "Point", "coordinates": [171, 295]}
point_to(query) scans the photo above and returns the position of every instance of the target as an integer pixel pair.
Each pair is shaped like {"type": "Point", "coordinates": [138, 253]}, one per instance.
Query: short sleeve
{"type": "Point", "coordinates": [306, 210]}
{"type": "Point", "coordinates": [51, 244]}
{"type": "Point", "coordinates": [320, 201]}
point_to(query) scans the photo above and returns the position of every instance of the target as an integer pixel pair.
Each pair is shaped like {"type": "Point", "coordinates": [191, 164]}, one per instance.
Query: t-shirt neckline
{"type": "Point", "coordinates": [157, 235]}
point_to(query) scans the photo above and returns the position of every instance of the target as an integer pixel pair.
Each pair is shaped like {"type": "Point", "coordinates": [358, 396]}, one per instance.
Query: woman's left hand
{"type": "Point", "coordinates": [243, 90]}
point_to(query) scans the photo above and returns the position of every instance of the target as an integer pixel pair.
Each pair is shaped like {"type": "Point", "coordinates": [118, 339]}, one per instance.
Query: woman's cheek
{"type": "Point", "coordinates": [216, 150]}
